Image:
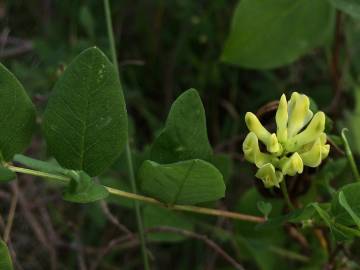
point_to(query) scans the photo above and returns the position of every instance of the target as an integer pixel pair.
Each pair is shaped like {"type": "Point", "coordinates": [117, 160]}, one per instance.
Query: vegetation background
{"type": "Point", "coordinates": [164, 48]}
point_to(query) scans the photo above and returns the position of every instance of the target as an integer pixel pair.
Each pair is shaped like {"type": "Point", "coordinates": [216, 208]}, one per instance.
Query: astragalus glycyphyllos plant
{"type": "Point", "coordinates": [299, 141]}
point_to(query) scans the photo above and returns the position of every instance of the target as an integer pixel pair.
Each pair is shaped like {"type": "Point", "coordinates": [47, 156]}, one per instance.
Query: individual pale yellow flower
{"type": "Point", "coordinates": [299, 141]}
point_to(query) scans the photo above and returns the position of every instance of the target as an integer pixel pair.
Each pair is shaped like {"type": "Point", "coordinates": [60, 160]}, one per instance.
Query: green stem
{"type": "Point", "coordinates": [128, 150]}
{"type": "Point", "coordinates": [137, 197]}
{"type": "Point", "coordinates": [349, 155]}
{"type": "Point", "coordinates": [286, 195]}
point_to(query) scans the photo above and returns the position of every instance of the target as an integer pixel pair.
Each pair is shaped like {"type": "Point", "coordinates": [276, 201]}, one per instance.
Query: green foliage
{"type": "Point", "coordinates": [185, 182]}
{"type": "Point", "coordinates": [351, 7]}
{"type": "Point", "coordinates": [49, 167]}
{"type": "Point", "coordinates": [82, 189]}
{"type": "Point", "coordinates": [346, 204]}
{"type": "Point", "coordinates": [264, 207]}
{"type": "Point", "coordinates": [6, 175]}
{"type": "Point", "coordinates": [184, 136]}
{"type": "Point", "coordinates": [5, 259]}
{"type": "Point", "coordinates": [157, 217]}
{"type": "Point", "coordinates": [351, 121]}
{"type": "Point", "coordinates": [87, 21]}
{"type": "Point", "coordinates": [17, 112]}
{"type": "Point", "coordinates": [330, 170]}
{"type": "Point", "coordinates": [273, 33]}
{"type": "Point", "coordinates": [168, 46]}
{"type": "Point", "coordinates": [254, 243]}
{"type": "Point", "coordinates": [85, 122]}
{"type": "Point", "coordinates": [225, 165]}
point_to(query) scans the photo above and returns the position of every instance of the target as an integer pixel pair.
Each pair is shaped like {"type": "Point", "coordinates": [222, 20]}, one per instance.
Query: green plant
{"type": "Point", "coordinates": [86, 130]}
{"type": "Point", "coordinates": [90, 138]}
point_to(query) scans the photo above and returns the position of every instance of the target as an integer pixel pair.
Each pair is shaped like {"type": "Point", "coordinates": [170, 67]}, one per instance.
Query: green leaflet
{"type": "Point", "coordinates": [264, 207]}
{"type": "Point", "coordinates": [185, 135]}
{"type": "Point", "coordinates": [85, 122]}
{"type": "Point", "coordinates": [351, 7]}
{"type": "Point", "coordinates": [6, 175]}
{"type": "Point", "coordinates": [186, 182]}
{"type": "Point", "coordinates": [44, 166]}
{"type": "Point", "coordinates": [343, 202]}
{"type": "Point", "coordinates": [5, 259]}
{"type": "Point", "coordinates": [339, 231]}
{"type": "Point", "coordinates": [351, 193]}
{"type": "Point", "coordinates": [272, 33]}
{"type": "Point", "coordinates": [17, 113]}
{"type": "Point", "coordinates": [83, 189]}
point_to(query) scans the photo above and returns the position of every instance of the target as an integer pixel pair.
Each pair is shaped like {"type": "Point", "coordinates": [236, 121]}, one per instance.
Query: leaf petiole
{"type": "Point", "coordinates": [64, 180]}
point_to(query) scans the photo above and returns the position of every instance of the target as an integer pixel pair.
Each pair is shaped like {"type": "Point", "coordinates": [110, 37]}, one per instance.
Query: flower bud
{"type": "Point", "coordinates": [269, 176]}
{"type": "Point", "coordinates": [310, 134]}
{"type": "Point", "coordinates": [293, 165]}
{"type": "Point", "coordinates": [254, 125]}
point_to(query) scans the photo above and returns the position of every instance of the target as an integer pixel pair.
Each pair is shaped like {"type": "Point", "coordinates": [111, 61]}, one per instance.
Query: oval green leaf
{"type": "Point", "coordinates": [186, 182]}
{"type": "Point", "coordinates": [85, 122]}
{"type": "Point", "coordinates": [272, 33]}
{"type": "Point", "coordinates": [17, 116]}
{"type": "Point", "coordinates": [5, 259]}
{"type": "Point", "coordinates": [185, 135]}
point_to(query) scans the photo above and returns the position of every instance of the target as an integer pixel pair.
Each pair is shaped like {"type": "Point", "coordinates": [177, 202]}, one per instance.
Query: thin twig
{"type": "Point", "coordinates": [349, 155]}
{"type": "Point", "coordinates": [51, 235]}
{"type": "Point", "coordinates": [18, 47]}
{"type": "Point", "coordinates": [334, 67]}
{"type": "Point", "coordinates": [128, 242]}
{"type": "Point", "coordinates": [35, 225]}
{"type": "Point", "coordinates": [110, 245]}
{"type": "Point", "coordinates": [286, 195]}
{"type": "Point", "coordinates": [129, 160]}
{"type": "Point", "coordinates": [11, 216]}
{"type": "Point", "coordinates": [113, 219]}
{"type": "Point", "coordinates": [137, 197]}
{"type": "Point", "coordinates": [80, 253]}
{"type": "Point", "coordinates": [210, 243]}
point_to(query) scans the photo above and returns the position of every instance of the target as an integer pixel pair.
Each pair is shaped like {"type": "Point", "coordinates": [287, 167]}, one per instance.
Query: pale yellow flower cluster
{"type": "Point", "coordinates": [299, 141]}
